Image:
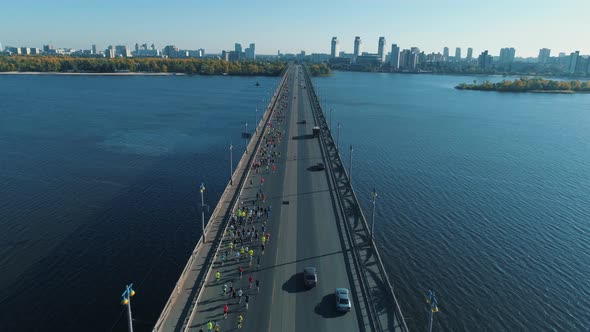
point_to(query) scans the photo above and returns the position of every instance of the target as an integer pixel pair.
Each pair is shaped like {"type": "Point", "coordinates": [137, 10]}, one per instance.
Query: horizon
{"type": "Point", "coordinates": [108, 22]}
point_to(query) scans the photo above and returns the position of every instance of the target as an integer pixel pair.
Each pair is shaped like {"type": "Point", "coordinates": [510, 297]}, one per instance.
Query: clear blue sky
{"type": "Point", "coordinates": [298, 25]}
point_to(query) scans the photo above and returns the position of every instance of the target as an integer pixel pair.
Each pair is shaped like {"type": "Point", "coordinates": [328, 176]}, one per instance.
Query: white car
{"type": "Point", "coordinates": [343, 299]}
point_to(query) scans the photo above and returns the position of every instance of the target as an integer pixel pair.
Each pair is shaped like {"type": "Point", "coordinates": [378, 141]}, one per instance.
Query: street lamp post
{"type": "Point", "coordinates": [431, 299]}
{"type": "Point", "coordinates": [330, 120]}
{"type": "Point", "coordinates": [231, 165]}
{"type": "Point", "coordinates": [126, 300]}
{"type": "Point", "coordinates": [350, 168]}
{"type": "Point", "coordinates": [245, 136]}
{"type": "Point", "coordinates": [256, 119]}
{"type": "Point", "coordinates": [373, 217]}
{"type": "Point", "coordinates": [338, 137]}
{"type": "Point", "coordinates": [202, 190]}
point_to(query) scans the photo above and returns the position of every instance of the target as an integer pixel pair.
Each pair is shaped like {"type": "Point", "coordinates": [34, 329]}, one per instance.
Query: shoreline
{"type": "Point", "coordinates": [90, 74]}
{"type": "Point", "coordinates": [567, 92]}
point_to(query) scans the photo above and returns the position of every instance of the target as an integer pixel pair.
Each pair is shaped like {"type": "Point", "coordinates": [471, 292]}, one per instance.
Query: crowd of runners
{"type": "Point", "coordinates": [241, 254]}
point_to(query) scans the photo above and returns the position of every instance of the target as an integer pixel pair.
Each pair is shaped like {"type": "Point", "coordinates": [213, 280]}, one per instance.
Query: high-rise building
{"type": "Point", "coordinates": [238, 48]}
{"type": "Point", "coordinates": [574, 57]}
{"type": "Point", "coordinates": [458, 54]}
{"type": "Point", "coordinates": [408, 59]}
{"type": "Point", "coordinates": [485, 60]}
{"type": "Point", "coordinates": [170, 51]}
{"type": "Point", "coordinates": [136, 47]}
{"type": "Point", "coordinates": [110, 52]}
{"type": "Point", "coordinates": [394, 56]}
{"type": "Point", "coordinates": [121, 50]}
{"type": "Point", "coordinates": [507, 55]}
{"type": "Point", "coordinates": [544, 55]}
{"type": "Point", "coordinates": [446, 54]}
{"type": "Point", "coordinates": [94, 49]}
{"type": "Point", "coordinates": [48, 48]}
{"type": "Point", "coordinates": [357, 48]}
{"type": "Point", "coordinates": [334, 47]}
{"type": "Point", "coordinates": [469, 54]}
{"type": "Point", "coordinates": [250, 52]}
{"type": "Point", "coordinates": [381, 49]}
{"type": "Point", "coordinates": [153, 47]}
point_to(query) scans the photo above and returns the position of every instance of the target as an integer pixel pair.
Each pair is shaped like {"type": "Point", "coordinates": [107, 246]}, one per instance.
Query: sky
{"type": "Point", "coordinates": [215, 25]}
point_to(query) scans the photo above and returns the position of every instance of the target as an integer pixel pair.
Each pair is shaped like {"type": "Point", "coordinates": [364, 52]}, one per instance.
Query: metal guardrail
{"type": "Point", "coordinates": [183, 276]}
{"type": "Point", "coordinates": [382, 271]}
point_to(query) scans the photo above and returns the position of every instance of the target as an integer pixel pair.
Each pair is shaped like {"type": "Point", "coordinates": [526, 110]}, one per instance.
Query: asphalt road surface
{"type": "Point", "coordinates": [304, 232]}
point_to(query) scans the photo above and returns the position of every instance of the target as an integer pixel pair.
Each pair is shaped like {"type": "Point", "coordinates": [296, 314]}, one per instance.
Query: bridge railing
{"type": "Point", "coordinates": [380, 266]}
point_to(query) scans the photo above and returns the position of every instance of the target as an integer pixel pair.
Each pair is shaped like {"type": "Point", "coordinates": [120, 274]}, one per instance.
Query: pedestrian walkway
{"type": "Point", "coordinates": [179, 308]}
{"type": "Point", "coordinates": [242, 243]}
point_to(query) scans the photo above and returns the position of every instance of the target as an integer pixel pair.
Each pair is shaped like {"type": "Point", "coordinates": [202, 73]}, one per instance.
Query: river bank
{"type": "Point", "coordinates": [90, 74]}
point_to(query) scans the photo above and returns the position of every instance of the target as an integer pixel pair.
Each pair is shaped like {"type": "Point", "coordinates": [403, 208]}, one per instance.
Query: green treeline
{"type": "Point", "coordinates": [148, 65]}
{"type": "Point", "coordinates": [529, 84]}
{"type": "Point", "coordinates": [319, 69]}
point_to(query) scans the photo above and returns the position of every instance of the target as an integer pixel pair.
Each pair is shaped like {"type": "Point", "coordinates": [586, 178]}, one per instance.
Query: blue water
{"type": "Point", "coordinates": [483, 197]}
{"type": "Point", "coordinates": [99, 179]}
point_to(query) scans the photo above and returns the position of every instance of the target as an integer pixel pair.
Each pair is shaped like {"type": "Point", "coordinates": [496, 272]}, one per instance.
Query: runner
{"type": "Point", "coordinates": [217, 276]}
{"type": "Point", "coordinates": [258, 261]}
{"type": "Point", "coordinates": [257, 286]}
{"type": "Point", "coordinates": [240, 293]}
{"type": "Point", "coordinates": [251, 280]}
{"type": "Point", "coordinates": [225, 310]}
{"type": "Point", "coordinates": [247, 299]}
{"type": "Point", "coordinates": [210, 326]}
{"type": "Point", "coordinates": [224, 288]}
{"type": "Point", "coordinates": [240, 321]}
{"type": "Point", "coordinates": [241, 269]}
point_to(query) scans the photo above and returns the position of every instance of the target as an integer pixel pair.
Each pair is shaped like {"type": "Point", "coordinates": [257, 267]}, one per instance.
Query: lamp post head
{"type": "Point", "coordinates": [202, 187]}
{"type": "Point", "coordinates": [127, 294]}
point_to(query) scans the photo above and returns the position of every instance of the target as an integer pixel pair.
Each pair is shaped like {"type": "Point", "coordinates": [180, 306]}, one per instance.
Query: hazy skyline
{"type": "Point", "coordinates": [526, 25]}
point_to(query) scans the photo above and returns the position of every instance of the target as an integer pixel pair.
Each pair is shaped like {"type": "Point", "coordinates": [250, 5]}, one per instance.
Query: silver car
{"type": "Point", "coordinates": [343, 299]}
{"type": "Point", "coordinates": [310, 276]}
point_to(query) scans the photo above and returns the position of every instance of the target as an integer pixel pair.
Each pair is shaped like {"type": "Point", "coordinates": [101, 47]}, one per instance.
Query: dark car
{"type": "Point", "coordinates": [320, 167]}
{"type": "Point", "coordinates": [310, 276]}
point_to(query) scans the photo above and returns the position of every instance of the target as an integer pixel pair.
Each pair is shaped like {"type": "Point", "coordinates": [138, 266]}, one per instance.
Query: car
{"type": "Point", "coordinates": [342, 299]}
{"type": "Point", "coordinates": [320, 167]}
{"type": "Point", "coordinates": [310, 277]}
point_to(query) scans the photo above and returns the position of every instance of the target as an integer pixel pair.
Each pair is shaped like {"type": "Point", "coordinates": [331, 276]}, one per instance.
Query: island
{"type": "Point", "coordinates": [524, 84]}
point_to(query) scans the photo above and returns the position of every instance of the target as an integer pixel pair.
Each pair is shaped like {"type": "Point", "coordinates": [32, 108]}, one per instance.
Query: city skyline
{"type": "Point", "coordinates": [215, 28]}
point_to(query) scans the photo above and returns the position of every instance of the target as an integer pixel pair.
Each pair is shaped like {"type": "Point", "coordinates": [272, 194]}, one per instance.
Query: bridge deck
{"type": "Point", "coordinates": [308, 227]}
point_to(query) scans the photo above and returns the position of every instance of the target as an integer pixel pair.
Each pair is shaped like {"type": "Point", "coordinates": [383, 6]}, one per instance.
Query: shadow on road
{"type": "Point", "coordinates": [295, 284]}
{"type": "Point", "coordinates": [301, 260]}
{"type": "Point", "coordinates": [316, 168]}
{"type": "Point", "coordinates": [308, 136]}
{"type": "Point", "coordinates": [327, 308]}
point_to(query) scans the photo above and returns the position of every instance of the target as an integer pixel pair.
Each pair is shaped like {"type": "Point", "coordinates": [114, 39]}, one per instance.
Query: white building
{"type": "Point", "coordinates": [357, 47]}
{"type": "Point", "coordinates": [335, 48]}
{"type": "Point", "coordinates": [381, 49]}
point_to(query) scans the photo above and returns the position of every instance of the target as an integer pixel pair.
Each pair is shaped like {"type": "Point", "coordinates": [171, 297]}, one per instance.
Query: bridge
{"type": "Point", "coordinates": [314, 219]}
